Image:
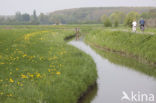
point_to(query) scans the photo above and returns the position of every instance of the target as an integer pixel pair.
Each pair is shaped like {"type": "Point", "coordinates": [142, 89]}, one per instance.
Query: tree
{"type": "Point", "coordinates": [2, 20]}
{"type": "Point", "coordinates": [116, 23]}
{"type": "Point", "coordinates": [117, 18]}
{"type": "Point", "coordinates": [43, 19]}
{"type": "Point", "coordinates": [130, 17]}
{"type": "Point", "coordinates": [34, 15]}
{"type": "Point", "coordinates": [55, 19]}
{"type": "Point", "coordinates": [145, 15]}
{"type": "Point", "coordinates": [34, 20]}
{"type": "Point", "coordinates": [107, 23]}
{"type": "Point", "coordinates": [18, 16]}
{"type": "Point", "coordinates": [114, 17]}
{"type": "Point", "coordinates": [152, 13]}
{"type": "Point", "coordinates": [103, 18]}
{"type": "Point", "coordinates": [25, 17]}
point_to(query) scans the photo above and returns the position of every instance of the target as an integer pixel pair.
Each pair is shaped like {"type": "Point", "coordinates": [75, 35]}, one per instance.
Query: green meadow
{"type": "Point", "coordinates": [138, 47]}
{"type": "Point", "coordinates": [38, 66]}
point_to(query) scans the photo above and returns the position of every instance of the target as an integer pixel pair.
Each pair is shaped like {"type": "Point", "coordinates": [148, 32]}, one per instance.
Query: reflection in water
{"type": "Point", "coordinates": [113, 79]}
{"type": "Point", "coordinates": [129, 62]}
{"type": "Point", "coordinates": [89, 96]}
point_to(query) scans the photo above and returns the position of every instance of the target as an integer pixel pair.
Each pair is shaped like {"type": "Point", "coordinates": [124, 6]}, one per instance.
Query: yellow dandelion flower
{"type": "Point", "coordinates": [1, 93]}
{"type": "Point", "coordinates": [49, 70]}
{"type": "Point", "coordinates": [31, 75]}
{"type": "Point", "coordinates": [24, 76]}
{"type": "Point", "coordinates": [38, 75]}
{"type": "Point", "coordinates": [20, 84]}
{"type": "Point", "coordinates": [2, 63]}
{"type": "Point", "coordinates": [41, 58]}
{"type": "Point", "coordinates": [41, 38]}
{"type": "Point", "coordinates": [9, 95]}
{"type": "Point", "coordinates": [1, 80]}
{"type": "Point", "coordinates": [58, 73]}
{"type": "Point", "coordinates": [17, 69]}
{"type": "Point", "coordinates": [11, 80]}
{"type": "Point", "coordinates": [24, 55]}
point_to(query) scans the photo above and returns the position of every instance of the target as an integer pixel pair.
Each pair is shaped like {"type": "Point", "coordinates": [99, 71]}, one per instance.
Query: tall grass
{"type": "Point", "coordinates": [37, 66]}
{"type": "Point", "coordinates": [141, 45]}
{"type": "Point", "coordinates": [139, 48]}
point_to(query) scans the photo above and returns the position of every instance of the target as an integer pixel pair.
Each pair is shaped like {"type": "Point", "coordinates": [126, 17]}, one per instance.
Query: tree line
{"type": "Point", "coordinates": [117, 18]}
{"type": "Point", "coordinates": [110, 16]}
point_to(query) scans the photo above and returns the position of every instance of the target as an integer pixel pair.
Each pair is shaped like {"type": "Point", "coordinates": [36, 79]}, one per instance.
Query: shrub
{"type": "Point", "coordinates": [107, 23]}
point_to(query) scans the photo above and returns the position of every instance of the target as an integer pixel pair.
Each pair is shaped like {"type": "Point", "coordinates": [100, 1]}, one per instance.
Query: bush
{"type": "Point", "coordinates": [130, 17]}
{"type": "Point", "coordinates": [116, 24]}
{"type": "Point", "coordinates": [107, 23]}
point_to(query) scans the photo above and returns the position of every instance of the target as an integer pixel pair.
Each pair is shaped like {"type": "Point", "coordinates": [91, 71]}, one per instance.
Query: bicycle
{"type": "Point", "coordinates": [142, 28]}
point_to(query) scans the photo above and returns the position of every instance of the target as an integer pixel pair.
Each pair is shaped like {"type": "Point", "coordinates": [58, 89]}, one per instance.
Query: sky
{"type": "Point", "coordinates": [9, 7]}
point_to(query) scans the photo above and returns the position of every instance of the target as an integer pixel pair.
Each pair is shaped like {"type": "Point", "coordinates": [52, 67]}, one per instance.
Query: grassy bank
{"type": "Point", "coordinates": [140, 47]}
{"type": "Point", "coordinates": [37, 66]}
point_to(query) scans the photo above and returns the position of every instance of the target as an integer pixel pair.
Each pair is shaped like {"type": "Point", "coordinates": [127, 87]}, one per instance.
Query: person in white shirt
{"type": "Point", "coordinates": [134, 25]}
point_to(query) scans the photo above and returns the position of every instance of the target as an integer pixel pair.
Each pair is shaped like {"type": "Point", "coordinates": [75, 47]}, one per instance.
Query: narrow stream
{"type": "Point", "coordinates": [115, 79]}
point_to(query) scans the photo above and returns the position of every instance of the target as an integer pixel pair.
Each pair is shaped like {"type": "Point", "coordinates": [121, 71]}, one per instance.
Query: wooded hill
{"type": "Point", "coordinates": [92, 14]}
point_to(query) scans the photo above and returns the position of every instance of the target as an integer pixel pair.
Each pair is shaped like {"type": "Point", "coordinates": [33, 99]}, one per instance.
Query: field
{"type": "Point", "coordinates": [38, 66]}
{"type": "Point", "coordinates": [140, 47]}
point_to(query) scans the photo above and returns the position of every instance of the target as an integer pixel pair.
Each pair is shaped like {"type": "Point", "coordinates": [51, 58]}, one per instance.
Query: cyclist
{"type": "Point", "coordinates": [142, 24]}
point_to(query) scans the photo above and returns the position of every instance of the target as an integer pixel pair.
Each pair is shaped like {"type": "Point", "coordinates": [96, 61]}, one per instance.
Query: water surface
{"type": "Point", "coordinates": [113, 79]}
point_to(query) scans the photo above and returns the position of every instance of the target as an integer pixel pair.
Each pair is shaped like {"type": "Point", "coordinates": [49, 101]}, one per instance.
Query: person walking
{"type": "Point", "coordinates": [142, 24]}
{"type": "Point", "coordinates": [134, 25]}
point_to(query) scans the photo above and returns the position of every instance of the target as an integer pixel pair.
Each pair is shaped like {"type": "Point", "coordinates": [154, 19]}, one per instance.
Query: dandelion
{"type": "Point", "coordinates": [24, 76]}
{"type": "Point", "coordinates": [17, 69]}
{"type": "Point", "coordinates": [41, 38]}
{"type": "Point", "coordinates": [1, 80]}
{"type": "Point", "coordinates": [38, 75]}
{"type": "Point", "coordinates": [2, 63]}
{"type": "Point", "coordinates": [41, 58]}
{"type": "Point", "coordinates": [1, 93]}
{"type": "Point", "coordinates": [24, 55]}
{"type": "Point", "coordinates": [20, 84]}
{"type": "Point", "coordinates": [61, 53]}
{"type": "Point", "coordinates": [11, 80]}
{"type": "Point", "coordinates": [9, 95]}
{"type": "Point", "coordinates": [31, 75]}
{"type": "Point", "coordinates": [58, 73]}
{"type": "Point", "coordinates": [49, 70]}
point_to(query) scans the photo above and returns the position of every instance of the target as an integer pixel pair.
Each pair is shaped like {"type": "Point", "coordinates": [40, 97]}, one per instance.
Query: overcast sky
{"type": "Point", "coordinates": [9, 7]}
